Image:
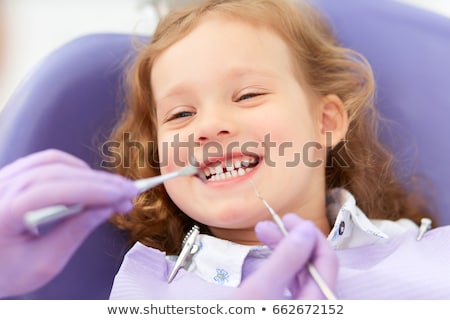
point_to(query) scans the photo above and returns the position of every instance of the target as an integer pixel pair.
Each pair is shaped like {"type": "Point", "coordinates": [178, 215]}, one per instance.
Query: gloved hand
{"type": "Point", "coordinates": [286, 268]}
{"type": "Point", "coordinates": [48, 178]}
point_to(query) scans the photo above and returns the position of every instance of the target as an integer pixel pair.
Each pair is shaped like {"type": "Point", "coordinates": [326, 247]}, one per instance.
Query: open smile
{"type": "Point", "coordinates": [229, 169]}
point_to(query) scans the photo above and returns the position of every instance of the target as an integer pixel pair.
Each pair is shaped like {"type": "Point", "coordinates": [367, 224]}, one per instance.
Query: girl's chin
{"type": "Point", "coordinates": [230, 217]}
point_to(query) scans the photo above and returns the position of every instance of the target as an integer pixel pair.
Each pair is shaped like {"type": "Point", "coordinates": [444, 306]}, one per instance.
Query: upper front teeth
{"type": "Point", "coordinates": [228, 170]}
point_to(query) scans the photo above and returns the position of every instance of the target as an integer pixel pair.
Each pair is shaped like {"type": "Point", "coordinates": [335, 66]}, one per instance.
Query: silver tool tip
{"type": "Point", "coordinates": [191, 170]}
{"type": "Point", "coordinates": [256, 190]}
{"type": "Point", "coordinates": [194, 165]}
{"type": "Point", "coordinates": [425, 225]}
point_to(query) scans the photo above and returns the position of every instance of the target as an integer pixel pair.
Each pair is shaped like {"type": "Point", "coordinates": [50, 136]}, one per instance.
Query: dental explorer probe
{"type": "Point", "coordinates": [312, 270]}
{"type": "Point", "coordinates": [36, 219]}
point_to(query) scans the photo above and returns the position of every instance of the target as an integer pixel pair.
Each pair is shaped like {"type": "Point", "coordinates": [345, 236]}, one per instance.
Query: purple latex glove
{"type": "Point", "coordinates": [286, 268]}
{"type": "Point", "coordinates": [48, 178]}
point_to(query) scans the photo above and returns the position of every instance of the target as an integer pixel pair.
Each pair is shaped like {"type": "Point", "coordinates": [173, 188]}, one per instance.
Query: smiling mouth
{"type": "Point", "coordinates": [230, 169]}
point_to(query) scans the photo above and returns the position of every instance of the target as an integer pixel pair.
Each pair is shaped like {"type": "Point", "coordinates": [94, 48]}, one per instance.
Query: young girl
{"type": "Point", "coordinates": [262, 97]}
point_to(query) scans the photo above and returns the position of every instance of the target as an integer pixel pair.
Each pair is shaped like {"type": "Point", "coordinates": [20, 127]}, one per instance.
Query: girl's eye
{"type": "Point", "coordinates": [247, 96]}
{"type": "Point", "coordinates": [181, 114]}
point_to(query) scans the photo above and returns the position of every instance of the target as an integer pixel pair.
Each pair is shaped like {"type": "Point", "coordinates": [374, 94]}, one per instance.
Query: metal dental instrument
{"type": "Point", "coordinates": [425, 225]}
{"type": "Point", "coordinates": [189, 249]}
{"type": "Point", "coordinates": [36, 220]}
{"type": "Point", "coordinates": [312, 270]}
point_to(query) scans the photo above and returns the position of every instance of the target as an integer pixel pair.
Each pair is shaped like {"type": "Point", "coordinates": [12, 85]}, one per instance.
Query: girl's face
{"type": "Point", "coordinates": [227, 95]}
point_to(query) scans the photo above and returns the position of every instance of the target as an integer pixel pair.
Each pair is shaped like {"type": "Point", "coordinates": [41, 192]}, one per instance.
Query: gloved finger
{"type": "Point", "coordinates": [324, 260]}
{"type": "Point", "coordinates": [40, 186]}
{"type": "Point", "coordinates": [80, 192]}
{"type": "Point", "coordinates": [268, 233]}
{"type": "Point", "coordinates": [60, 171]}
{"type": "Point", "coordinates": [66, 186]}
{"type": "Point", "coordinates": [123, 206]}
{"type": "Point", "coordinates": [54, 249]}
{"type": "Point", "coordinates": [291, 220]}
{"type": "Point", "coordinates": [73, 231]}
{"type": "Point", "coordinates": [84, 190]}
{"type": "Point", "coordinates": [275, 275]}
{"type": "Point", "coordinates": [38, 159]}
{"type": "Point", "coordinates": [326, 263]}
{"type": "Point", "coordinates": [35, 177]}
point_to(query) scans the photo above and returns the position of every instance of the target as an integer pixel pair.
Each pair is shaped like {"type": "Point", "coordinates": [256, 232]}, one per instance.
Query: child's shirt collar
{"type": "Point", "coordinates": [222, 262]}
{"type": "Point", "coordinates": [352, 228]}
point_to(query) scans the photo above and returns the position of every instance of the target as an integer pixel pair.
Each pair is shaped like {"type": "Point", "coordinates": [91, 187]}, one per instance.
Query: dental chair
{"type": "Point", "coordinates": [72, 98]}
{"type": "Point", "coordinates": [70, 101]}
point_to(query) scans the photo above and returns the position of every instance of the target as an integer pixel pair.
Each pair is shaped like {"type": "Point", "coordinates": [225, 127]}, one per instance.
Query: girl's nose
{"type": "Point", "coordinates": [215, 126]}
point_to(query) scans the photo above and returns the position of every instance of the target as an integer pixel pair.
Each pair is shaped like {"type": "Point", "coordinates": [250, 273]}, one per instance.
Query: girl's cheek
{"type": "Point", "coordinates": [165, 155]}
{"type": "Point", "coordinates": [173, 152]}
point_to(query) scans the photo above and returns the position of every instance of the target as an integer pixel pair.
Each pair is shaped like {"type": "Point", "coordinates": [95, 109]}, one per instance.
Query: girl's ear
{"type": "Point", "coordinates": [333, 120]}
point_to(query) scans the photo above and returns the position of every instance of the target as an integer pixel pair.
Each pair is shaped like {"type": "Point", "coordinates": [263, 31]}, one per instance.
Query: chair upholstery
{"type": "Point", "coordinates": [71, 99]}
{"type": "Point", "coordinates": [409, 50]}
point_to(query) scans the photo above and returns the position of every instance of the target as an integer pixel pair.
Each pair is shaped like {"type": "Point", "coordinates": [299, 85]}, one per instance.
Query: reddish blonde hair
{"type": "Point", "coordinates": [326, 68]}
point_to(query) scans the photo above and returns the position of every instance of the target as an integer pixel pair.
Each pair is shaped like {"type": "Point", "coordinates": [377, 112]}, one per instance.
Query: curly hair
{"type": "Point", "coordinates": [320, 63]}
